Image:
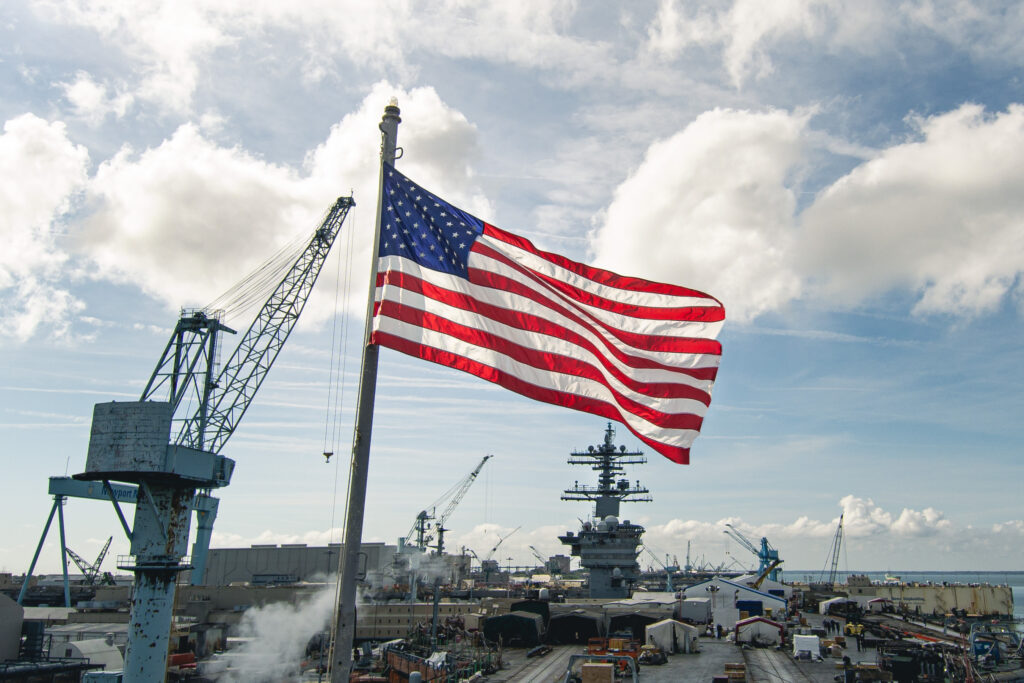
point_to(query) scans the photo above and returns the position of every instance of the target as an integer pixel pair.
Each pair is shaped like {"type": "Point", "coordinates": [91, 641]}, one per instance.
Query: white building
{"type": "Point", "coordinates": [729, 599]}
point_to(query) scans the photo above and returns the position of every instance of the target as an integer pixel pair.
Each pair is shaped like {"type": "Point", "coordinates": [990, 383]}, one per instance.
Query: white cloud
{"type": "Point", "coordinates": [925, 522]}
{"type": "Point", "coordinates": [710, 208]}
{"type": "Point", "coordinates": [749, 32]}
{"type": "Point", "coordinates": [40, 172]}
{"type": "Point", "coordinates": [941, 216]}
{"type": "Point", "coordinates": [169, 41]}
{"type": "Point", "coordinates": [745, 30]}
{"type": "Point", "coordinates": [91, 100]}
{"type": "Point", "coordinates": [914, 539]}
{"type": "Point", "coordinates": [164, 42]}
{"type": "Point", "coordinates": [187, 219]}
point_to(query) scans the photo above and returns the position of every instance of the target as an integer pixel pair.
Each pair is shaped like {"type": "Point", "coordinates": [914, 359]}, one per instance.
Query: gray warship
{"type": "Point", "coordinates": [606, 546]}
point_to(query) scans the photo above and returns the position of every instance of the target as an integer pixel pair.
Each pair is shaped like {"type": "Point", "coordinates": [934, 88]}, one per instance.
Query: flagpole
{"type": "Point", "coordinates": [345, 610]}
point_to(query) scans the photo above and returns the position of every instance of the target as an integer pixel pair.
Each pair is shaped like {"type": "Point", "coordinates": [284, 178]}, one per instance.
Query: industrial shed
{"type": "Point", "coordinates": [759, 631]}
{"type": "Point", "coordinates": [636, 614]}
{"type": "Point", "coordinates": [672, 636]}
{"type": "Point", "coordinates": [576, 626]}
{"type": "Point", "coordinates": [515, 628]}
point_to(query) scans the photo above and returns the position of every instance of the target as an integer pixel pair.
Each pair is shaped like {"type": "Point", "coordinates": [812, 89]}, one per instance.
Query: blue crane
{"type": "Point", "coordinates": [766, 554]}
{"type": "Point", "coordinates": [131, 441]}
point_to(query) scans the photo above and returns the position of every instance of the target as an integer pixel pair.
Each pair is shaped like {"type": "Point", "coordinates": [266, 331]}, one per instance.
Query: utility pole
{"type": "Point", "coordinates": [345, 610]}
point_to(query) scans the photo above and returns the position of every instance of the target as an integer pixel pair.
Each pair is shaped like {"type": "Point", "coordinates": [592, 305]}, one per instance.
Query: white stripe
{"type": "Point", "coordinates": [654, 327]}
{"type": "Point", "coordinates": [558, 347]}
{"type": "Point", "coordinates": [513, 301]}
{"type": "Point", "coordinates": [566, 384]}
{"type": "Point", "coordinates": [541, 265]}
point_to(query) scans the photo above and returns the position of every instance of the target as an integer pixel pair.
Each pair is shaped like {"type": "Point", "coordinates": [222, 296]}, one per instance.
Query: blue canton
{"type": "Point", "coordinates": [420, 226]}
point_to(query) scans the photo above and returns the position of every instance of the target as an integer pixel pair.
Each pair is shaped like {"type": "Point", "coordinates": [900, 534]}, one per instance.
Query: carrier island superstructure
{"type": "Point", "coordinates": [606, 546]}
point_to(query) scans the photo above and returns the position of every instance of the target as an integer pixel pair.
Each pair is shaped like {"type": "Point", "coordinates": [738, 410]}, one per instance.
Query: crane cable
{"type": "Point", "coordinates": [336, 385]}
{"type": "Point", "coordinates": [254, 288]}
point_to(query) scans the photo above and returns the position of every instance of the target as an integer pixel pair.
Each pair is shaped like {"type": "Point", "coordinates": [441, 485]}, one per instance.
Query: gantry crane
{"type": "Point", "coordinates": [766, 554]}
{"type": "Point", "coordinates": [133, 441]}
{"type": "Point", "coordinates": [421, 527]}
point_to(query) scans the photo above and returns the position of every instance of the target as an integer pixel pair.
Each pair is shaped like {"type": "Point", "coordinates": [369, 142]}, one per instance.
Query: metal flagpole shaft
{"type": "Point", "coordinates": [345, 626]}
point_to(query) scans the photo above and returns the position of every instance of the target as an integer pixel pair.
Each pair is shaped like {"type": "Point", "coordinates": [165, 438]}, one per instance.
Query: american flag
{"type": "Point", "coordinates": [457, 291]}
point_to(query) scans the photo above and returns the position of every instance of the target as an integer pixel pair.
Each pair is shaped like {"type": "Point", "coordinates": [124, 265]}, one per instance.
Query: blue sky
{"type": "Point", "coordinates": [844, 176]}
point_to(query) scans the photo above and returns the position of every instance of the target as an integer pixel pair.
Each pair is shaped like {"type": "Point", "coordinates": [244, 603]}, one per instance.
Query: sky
{"type": "Point", "coordinates": [847, 177]}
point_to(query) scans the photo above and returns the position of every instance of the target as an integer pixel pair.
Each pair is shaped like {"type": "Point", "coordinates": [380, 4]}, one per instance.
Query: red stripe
{"type": "Point", "coordinates": [604, 277]}
{"type": "Point", "coordinates": [651, 342]}
{"type": "Point", "coordinates": [550, 363]}
{"type": "Point", "coordinates": [533, 323]}
{"type": "Point", "coordinates": [689, 313]}
{"type": "Point", "coordinates": [508, 381]}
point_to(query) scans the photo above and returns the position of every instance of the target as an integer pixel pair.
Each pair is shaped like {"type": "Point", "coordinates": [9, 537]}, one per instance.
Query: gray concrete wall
{"type": "Point", "coordinates": [225, 566]}
{"type": "Point", "coordinates": [11, 615]}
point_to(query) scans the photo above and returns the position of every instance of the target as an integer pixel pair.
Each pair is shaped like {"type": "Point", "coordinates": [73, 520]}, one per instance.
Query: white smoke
{"type": "Point", "coordinates": [278, 634]}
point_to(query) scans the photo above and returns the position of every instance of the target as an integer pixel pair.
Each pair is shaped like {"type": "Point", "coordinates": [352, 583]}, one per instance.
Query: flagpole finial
{"type": "Point", "coordinates": [389, 127]}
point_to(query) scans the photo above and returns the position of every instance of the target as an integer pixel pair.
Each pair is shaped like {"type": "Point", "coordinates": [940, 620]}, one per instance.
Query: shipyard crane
{"type": "Point", "coordinates": [421, 527]}
{"type": "Point", "coordinates": [766, 554]}
{"type": "Point", "coordinates": [547, 564]}
{"type": "Point", "coordinates": [833, 556]}
{"type": "Point", "coordinates": [501, 539]}
{"type": "Point", "coordinates": [669, 569]}
{"type": "Point", "coordinates": [135, 442]}
{"type": "Point", "coordinates": [764, 575]}
{"type": "Point", "coordinates": [91, 572]}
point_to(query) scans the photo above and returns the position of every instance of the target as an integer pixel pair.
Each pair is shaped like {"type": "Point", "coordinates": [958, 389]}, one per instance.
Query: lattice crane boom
{"type": "Point", "coordinates": [421, 526]}
{"type": "Point", "coordinates": [90, 571]}
{"type": "Point", "coordinates": [501, 539]}
{"type": "Point", "coordinates": [733, 533]}
{"type": "Point", "coordinates": [460, 491]}
{"type": "Point", "coordinates": [837, 543]}
{"type": "Point", "coordinates": [225, 400]}
{"type": "Point", "coordinates": [766, 554]}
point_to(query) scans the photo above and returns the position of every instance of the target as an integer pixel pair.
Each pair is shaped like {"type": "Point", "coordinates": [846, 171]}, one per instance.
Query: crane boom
{"type": "Point", "coordinates": [766, 554]}
{"type": "Point", "coordinates": [733, 533]}
{"type": "Point", "coordinates": [229, 397]}
{"type": "Point", "coordinates": [461, 490]}
{"type": "Point", "coordinates": [421, 526]}
{"type": "Point", "coordinates": [837, 542]}
{"type": "Point", "coordinates": [501, 539]}
{"type": "Point", "coordinates": [90, 572]}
